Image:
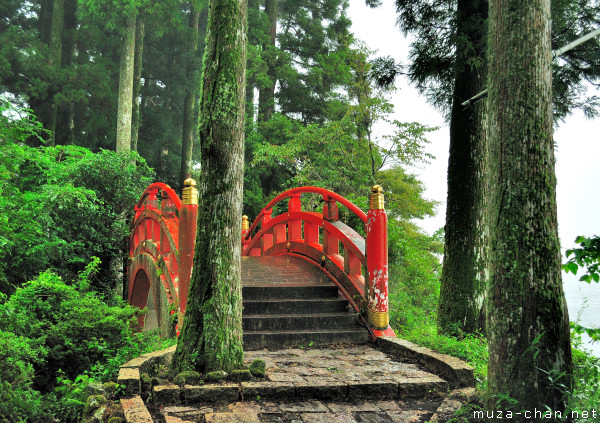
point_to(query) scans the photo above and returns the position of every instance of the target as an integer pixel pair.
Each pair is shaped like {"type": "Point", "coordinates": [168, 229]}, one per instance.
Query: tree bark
{"type": "Point", "coordinates": [463, 282]}
{"type": "Point", "coordinates": [266, 97]}
{"type": "Point", "coordinates": [211, 337]}
{"type": "Point", "coordinates": [54, 60]}
{"type": "Point", "coordinates": [187, 137]}
{"type": "Point", "coordinates": [65, 125]}
{"type": "Point", "coordinates": [51, 22]}
{"type": "Point", "coordinates": [528, 323]}
{"type": "Point", "coordinates": [124, 103]}
{"type": "Point", "coordinates": [137, 80]}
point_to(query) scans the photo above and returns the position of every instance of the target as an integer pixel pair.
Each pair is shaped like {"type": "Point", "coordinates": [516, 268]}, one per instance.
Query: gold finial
{"type": "Point", "coordinates": [376, 202]}
{"type": "Point", "coordinates": [190, 193]}
{"type": "Point", "coordinates": [245, 223]}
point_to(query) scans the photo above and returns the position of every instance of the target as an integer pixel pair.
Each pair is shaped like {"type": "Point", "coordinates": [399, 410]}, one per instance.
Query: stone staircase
{"type": "Point", "coordinates": [293, 305]}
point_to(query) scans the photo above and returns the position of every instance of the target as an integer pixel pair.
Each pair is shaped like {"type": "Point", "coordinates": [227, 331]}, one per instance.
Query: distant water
{"type": "Point", "coordinates": [583, 300]}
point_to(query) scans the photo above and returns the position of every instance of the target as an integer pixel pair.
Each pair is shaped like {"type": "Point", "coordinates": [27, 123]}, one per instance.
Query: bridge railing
{"type": "Point", "coordinates": [360, 266]}
{"type": "Point", "coordinates": [153, 250]}
{"type": "Point", "coordinates": [161, 249]}
{"type": "Point", "coordinates": [163, 237]}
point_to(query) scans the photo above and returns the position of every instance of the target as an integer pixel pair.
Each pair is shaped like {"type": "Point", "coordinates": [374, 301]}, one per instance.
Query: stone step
{"type": "Point", "coordinates": [293, 321]}
{"type": "Point", "coordinates": [288, 302]}
{"type": "Point", "coordinates": [289, 292]}
{"type": "Point", "coordinates": [295, 305]}
{"type": "Point", "coordinates": [295, 338]}
{"type": "Point", "coordinates": [347, 411]}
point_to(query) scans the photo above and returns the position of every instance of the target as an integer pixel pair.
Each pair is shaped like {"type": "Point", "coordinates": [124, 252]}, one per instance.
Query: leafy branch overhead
{"type": "Point", "coordinates": [588, 256]}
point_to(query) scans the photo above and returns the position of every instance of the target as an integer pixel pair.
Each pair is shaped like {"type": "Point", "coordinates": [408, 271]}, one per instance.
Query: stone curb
{"type": "Point", "coordinates": [451, 368]}
{"type": "Point", "coordinates": [270, 391]}
{"type": "Point", "coordinates": [130, 372]}
{"type": "Point", "coordinates": [135, 410]}
{"type": "Point", "coordinates": [130, 377]}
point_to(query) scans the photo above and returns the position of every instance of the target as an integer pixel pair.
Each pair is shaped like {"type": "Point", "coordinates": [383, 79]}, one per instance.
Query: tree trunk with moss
{"type": "Point", "coordinates": [124, 103]}
{"type": "Point", "coordinates": [528, 324]}
{"type": "Point", "coordinates": [140, 32]}
{"type": "Point", "coordinates": [191, 88]}
{"type": "Point", "coordinates": [211, 337]}
{"type": "Point", "coordinates": [51, 23]}
{"type": "Point", "coordinates": [463, 282]}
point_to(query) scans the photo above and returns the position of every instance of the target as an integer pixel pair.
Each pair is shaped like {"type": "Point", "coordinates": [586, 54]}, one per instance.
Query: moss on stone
{"type": "Point", "coordinates": [257, 368]}
{"type": "Point", "coordinates": [189, 376]}
{"type": "Point", "coordinates": [93, 403]}
{"type": "Point", "coordinates": [111, 387]}
{"type": "Point", "coordinates": [216, 376]}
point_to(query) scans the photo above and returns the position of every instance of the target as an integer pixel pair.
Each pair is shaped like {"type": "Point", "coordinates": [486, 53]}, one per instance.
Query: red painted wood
{"type": "Point", "coordinates": [188, 216]}
{"type": "Point", "coordinates": [377, 261]}
{"type": "Point", "coordinates": [163, 238]}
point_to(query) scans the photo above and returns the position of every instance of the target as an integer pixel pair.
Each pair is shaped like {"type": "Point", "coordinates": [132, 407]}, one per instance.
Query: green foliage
{"type": "Point", "coordinates": [586, 380]}
{"type": "Point", "coordinates": [61, 206]}
{"type": "Point", "coordinates": [588, 255]}
{"type": "Point", "coordinates": [68, 399]}
{"type": "Point", "coordinates": [55, 340]}
{"type": "Point", "coordinates": [312, 62]}
{"type": "Point", "coordinates": [75, 329]}
{"type": "Point", "coordinates": [18, 402]}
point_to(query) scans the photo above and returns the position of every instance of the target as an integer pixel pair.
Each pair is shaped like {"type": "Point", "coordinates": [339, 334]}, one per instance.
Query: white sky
{"type": "Point", "coordinates": [577, 154]}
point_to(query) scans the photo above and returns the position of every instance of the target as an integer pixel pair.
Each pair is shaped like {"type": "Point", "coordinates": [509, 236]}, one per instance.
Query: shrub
{"type": "Point", "coordinates": [76, 330]}
{"type": "Point", "coordinates": [17, 355]}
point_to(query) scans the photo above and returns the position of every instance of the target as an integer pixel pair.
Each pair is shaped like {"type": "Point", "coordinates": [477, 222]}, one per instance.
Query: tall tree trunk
{"type": "Point", "coordinates": [137, 80]}
{"type": "Point", "coordinates": [266, 97]}
{"type": "Point", "coordinates": [211, 337]}
{"type": "Point", "coordinates": [528, 323]}
{"type": "Point", "coordinates": [45, 20]}
{"type": "Point", "coordinates": [54, 60]}
{"type": "Point", "coordinates": [187, 137]}
{"type": "Point", "coordinates": [65, 125]}
{"type": "Point", "coordinates": [463, 282]}
{"type": "Point", "coordinates": [124, 108]}
{"type": "Point", "coordinates": [51, 21]}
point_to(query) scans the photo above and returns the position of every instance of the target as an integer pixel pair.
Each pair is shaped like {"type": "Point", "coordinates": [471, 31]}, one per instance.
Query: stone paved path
{"type": "Point", "coordinates": [351, 385]}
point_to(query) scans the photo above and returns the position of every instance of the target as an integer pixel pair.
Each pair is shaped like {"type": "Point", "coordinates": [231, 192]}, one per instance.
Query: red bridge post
{"type": "Point", "coordinates": [377, 265]}
{"type": "Point", "coordinates": [188, 215]}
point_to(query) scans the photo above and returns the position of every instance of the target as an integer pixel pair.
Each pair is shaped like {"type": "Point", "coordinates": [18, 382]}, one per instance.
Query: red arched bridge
{"type": "Point", "coordinates": [307, 276]}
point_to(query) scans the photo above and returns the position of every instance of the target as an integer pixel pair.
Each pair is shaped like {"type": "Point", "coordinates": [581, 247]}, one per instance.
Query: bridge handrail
{"type": "Point", "coordinates": [362, 271]}
{"type": "Point", "coordinates": [153, 189]}
{"type": "Point", "coordinates": [301, 190]}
